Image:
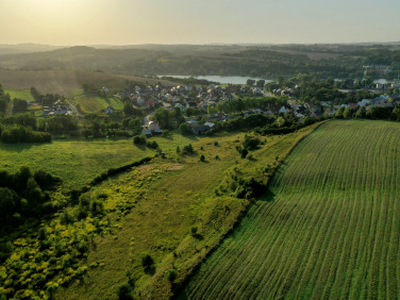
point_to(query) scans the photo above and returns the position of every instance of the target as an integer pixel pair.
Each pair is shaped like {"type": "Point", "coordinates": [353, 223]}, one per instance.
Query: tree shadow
{"type": "Point", "coordinates": [198, 236]}
{"type": "Point", "coordinates": [18, 147]}
{"type": "Point", "coordinates": [192, 137]}
{"type": "Point", "coordinates": [150, 270]}
{"type": "Point", "coordinates": [141, 147]}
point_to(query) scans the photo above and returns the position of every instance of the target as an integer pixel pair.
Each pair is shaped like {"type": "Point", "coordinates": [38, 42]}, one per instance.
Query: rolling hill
{"type": "Point", "coordinates": [66, 82]}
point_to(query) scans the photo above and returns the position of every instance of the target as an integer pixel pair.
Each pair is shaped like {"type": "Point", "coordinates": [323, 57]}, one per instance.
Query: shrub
{"type": "Point", "coordinates": [244, 153]}
{"type": "Point", "coordinates": [124, 292]}
{"type": "Point", "coordinates": [215, 143]}
{"type": "Point", "coordinates": [202, 158]}
{"type": "Point", "coordinates": [188, 149]}
{"type": "Point", "coordinates": [251, 143]}
{"type": "Point", "coordinates": [66, 218]}
{"type": "Point", "coordinates": [185, 129]}
{"type": "Point", "coordinates": [139, 140]}
{"type": "Point", "coordinates": [147, 261]}
{"type": "Point", "coordinates": [152, 145]}
{"type": "Point", "coordinates": [194, 230]}
{"type": "Point", "coordinates": [171, 275]}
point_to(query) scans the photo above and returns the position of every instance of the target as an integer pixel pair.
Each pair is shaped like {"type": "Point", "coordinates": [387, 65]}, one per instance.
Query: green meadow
{"type": "Point", "coordinates": [326, 229]}
{"type": "Point", "coordinates": [95, 104]}
{"type": "Point", "coordinates": [76, 162]}
{"type": "Point", "coordinates": [20, 94]}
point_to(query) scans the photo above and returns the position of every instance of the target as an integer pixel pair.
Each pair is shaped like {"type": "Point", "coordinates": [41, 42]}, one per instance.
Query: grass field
{"type": "Point", "coordinates": [328, 227]}
{"type": "Point", "coordinates": [76, 162]}
{"type": "Point", "coordinates": [93, 104]}
{"type": "Point", "coordinates": [20, 94]}
{"type": "Point", "coordinates": [170, 196]}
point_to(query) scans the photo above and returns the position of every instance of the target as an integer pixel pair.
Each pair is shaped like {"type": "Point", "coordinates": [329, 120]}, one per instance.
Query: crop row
{"type": "Point", "coordinates": [331, 230]}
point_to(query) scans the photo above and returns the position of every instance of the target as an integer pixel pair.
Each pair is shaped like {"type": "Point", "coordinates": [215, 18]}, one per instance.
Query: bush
{"type": "Point", "coordinates": [147, 261]}
{"type": "Point", "coordinates": [124, 292]}
{"type": "Point", "coordinates": [171, 275]}
{"type": "Point", "coordinates": [194, 230]}
{"type": "Point", "coordinates": [244, 153]}
{"type": "Point", "coordinates": [185, 129]}
{"type": "Point", "coordinates": [152, 145]}
{"type": "Point", "coordinates": [139, 140]}
{"type": "Point", "coordinates": [251, 143]}
{"type": "Point", "coordinates": [202, 158]}
{"type": "Point", "coordinates": [188, 149]}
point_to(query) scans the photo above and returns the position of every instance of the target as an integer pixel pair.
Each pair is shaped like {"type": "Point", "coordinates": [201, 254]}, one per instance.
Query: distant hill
{"type": "Point", "coordinates": [267, 61]}
{"type": "Point", "coordinates": [65, 82]}
{"type": "Point", "coordinates": [25, 48]}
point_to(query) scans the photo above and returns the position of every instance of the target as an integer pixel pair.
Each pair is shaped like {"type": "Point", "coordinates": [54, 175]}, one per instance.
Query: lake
{"type": "Point", "coordinates": [220, 79]}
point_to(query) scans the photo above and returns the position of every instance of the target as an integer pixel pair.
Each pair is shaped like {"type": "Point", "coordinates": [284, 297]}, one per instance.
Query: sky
{"type": "Point", "coordinates": [127, 22]}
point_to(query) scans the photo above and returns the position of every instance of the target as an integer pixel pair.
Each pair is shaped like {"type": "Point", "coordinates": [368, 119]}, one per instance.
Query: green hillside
{"type": "Point", "coordinates": [327, 229]}
{"type": "Point", "coordinates": [76, 162]}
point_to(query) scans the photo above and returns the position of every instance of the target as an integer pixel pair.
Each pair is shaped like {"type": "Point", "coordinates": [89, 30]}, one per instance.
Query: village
{"type": "Point", "coordinates": [203, 106]}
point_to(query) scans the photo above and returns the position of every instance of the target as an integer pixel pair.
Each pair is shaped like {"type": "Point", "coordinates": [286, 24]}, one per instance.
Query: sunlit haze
{"type": "Point", "coordinates": [89, 22]}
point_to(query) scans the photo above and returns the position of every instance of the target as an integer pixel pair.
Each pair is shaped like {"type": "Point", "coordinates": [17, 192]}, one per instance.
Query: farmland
{"type": "Point", "coordinates": [327, 227]}
{"type": "Point", "coordinates": [171, 196]}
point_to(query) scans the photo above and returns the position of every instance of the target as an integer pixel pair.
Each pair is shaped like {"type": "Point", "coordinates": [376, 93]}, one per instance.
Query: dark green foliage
{"type": "Point", "coordinates": [20, 105]}
{"type": "Point", "coordinates": [21, 134]}
{"type": "Point", "coordinates": [194, 230]}
{"type": "Point", "coordinates": [42, 234]}
{"type": "Point", "coordinates": [347, 113]}
{"type": "Point", "coordinates": [188, 149]}
{"type": "Point", "coordinates": [248, 188]}
{"type": "Point", "coordinates": [185, 129]}
{"type": "Point", "coordinates": [202, 158]}
{"type": "Point", "coordinates": [46, 180]}
{"type": "Point", "coordinates": [164, 118]}
{"type": "Point", "coordinates": [171, 275]}
{"type": "Point", "coordinates": [251, 143]}
{"type": "Point", "coordinates": [152, 145]}
{"type": "Point", "coordinates": [8, 203]}
{"type": "Point", "coordinates": [66, 217]}
{"type": "Point", "coordinates": [361, 113]}
{"type": "Point", "coordinates": [190, 111]}
{"type": "Point", "coordinates": [139, 140]}
{"type": "Point", "coordinates": [147, 261]}
{"type": "Point", "coordinates": [21, 194]}
{"type": "Point", "coordinates": [124, 292]}
{"type": "Point", "coordinates": [244, 152]}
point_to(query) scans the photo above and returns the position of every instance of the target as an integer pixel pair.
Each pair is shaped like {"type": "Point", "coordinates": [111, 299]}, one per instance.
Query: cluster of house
{"type": "Point", "coordinates": [185, 96]}
{"type": "Point", "coordinates": [329, 109]}
{"type": "Point", "coordinates": [58, 108]}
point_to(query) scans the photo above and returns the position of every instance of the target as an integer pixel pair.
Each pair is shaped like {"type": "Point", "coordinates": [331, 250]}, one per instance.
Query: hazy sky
{"type": "Point", "coordinates": [78, 22]}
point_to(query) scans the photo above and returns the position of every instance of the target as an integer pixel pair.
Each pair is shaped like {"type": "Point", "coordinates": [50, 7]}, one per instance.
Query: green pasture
{"type": "Point", "coordinates": [95, 104]}
{"type": "Point", "coordinates": [76, 162]}
{"type": "Point", "coordinates": [20, 94]}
